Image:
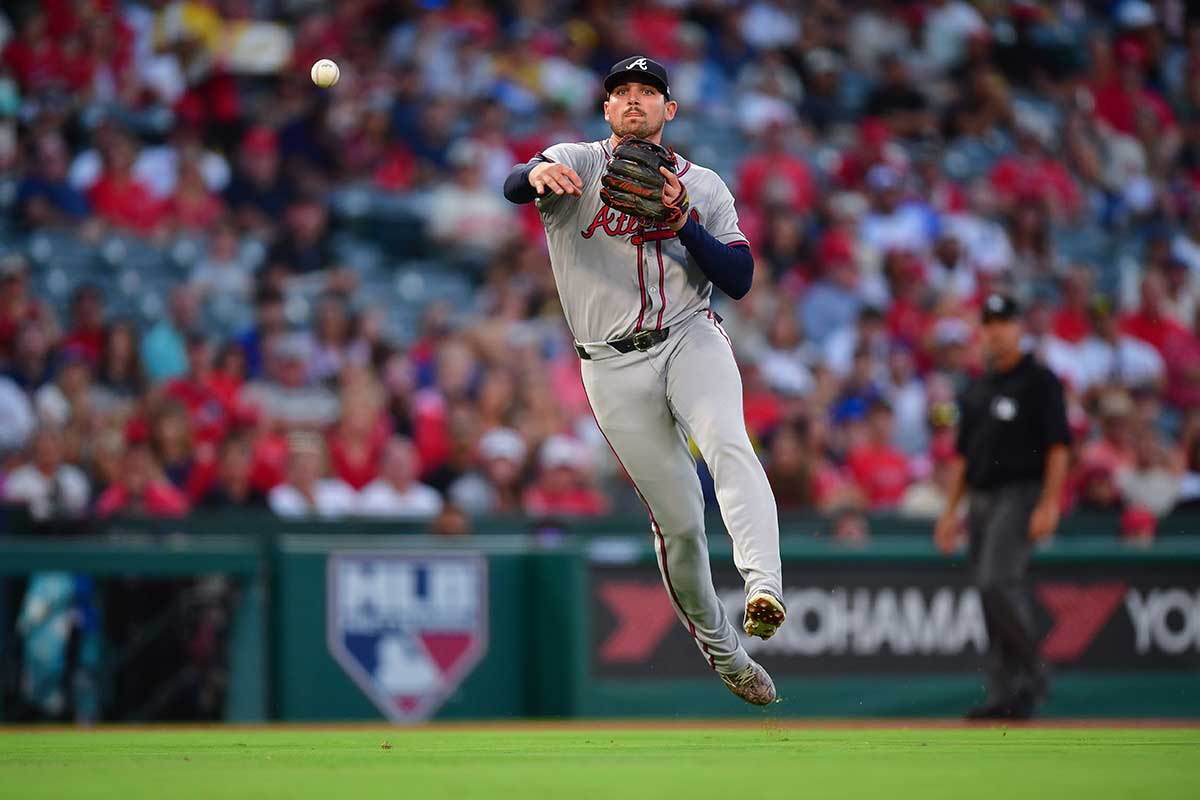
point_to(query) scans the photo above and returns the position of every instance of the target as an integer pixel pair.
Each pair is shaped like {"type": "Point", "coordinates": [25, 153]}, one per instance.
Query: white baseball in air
{"type": "Point", "coordinates": [325, 73]}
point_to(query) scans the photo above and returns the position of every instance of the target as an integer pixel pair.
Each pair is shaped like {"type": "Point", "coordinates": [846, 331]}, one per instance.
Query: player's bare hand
{"type": "Point", "coordinates": [673, 190]}
{"type": "Point", "coordinates": [557, 178]}
{"type": "Point", "coordinates": [946, 533]}
{"type": "Point", "coordinates": [1043, 521]}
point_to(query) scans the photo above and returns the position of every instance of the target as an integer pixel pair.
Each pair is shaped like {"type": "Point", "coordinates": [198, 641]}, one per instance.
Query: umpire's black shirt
{"type": "Point", "coordinates": [1008, 421]}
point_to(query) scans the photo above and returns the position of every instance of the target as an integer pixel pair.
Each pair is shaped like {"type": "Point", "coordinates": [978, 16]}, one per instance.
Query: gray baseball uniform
{"type": "Point", "coordinates": [616, 277]}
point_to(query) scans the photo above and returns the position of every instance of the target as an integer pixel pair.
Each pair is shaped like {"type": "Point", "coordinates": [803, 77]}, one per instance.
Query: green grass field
{"type": "Point", "coordinates": [576, 762]}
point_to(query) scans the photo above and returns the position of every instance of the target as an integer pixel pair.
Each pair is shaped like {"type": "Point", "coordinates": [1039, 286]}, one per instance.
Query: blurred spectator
{"type": "Point", "coordinates": [17, 305]}
{"type": "Point", "coordinates": [164, 347]}
{"type": "Point", "coordinates": [1180, 290]}
{"type": "Point", "coordinates": [1152, 481]}
{"type": "Point", "coordinates": [563, 486]}
{"type": "Point", "coordinates": [258, 191]}
{"type": "Point", "coordinates": [1033, 176]}
{"type": "Point", "coordinates": [1060, 356]}
{"type": "Point", "coordinates": [173, 441]}
{"type": "Point", "coordinates": [784, 363]}
{"type": "Point", "coordinates": [1128, 106]}
{"type": "Point", "coordinates": [45, 198]}
{"type": "Point", "coordinates": [358, 442]}
{"type": "Point", "coordinates": [950, 272]}
{"type": "Point", "coordinates": [119, 377]}
{"type": "Point", "coordinates": [269, 322]}
{"type": "Point", "coordinates": [494, 486]}
{"type": "Point", "coordinates": [161, 168]}
{"type": "Point", "coordinates": [464, 215]}
{"type": "Point", "coordinates": [31, 366]}
{"type": "Point", "coordinates": [773, 176]}
{"type": "Point", "coordinates": [228, 376]}
{"type": "Point", "coordinates": [285, 394]}
{"type": "Point", "coordinates": [1109, 356]}
{"type": "Point", "coordinates": [1138, 526]}
{"type": "Point", "coordinates": [119, 198]}
{"type": "Point", "coordinates": [905, 392]}
{"type": "Point", "coordinates": [881, 471]}
{"type": "Point", "coordinates": [789, 469]}
{"type": "Point", "coordinates": [833, 302]}
{"type": "Point", "coordinates": [1150, 322]}
{"type": "Point", "coordinates": [1114, 450]}
{"type": "Point", "coordinates": [332, 348]}
{"type": "Point", "coordinates": [824, 103]}
{"type": "Point", "coordinates": [207, 413]}
{"type": "Point", "coordinates": [1072, 318]}
{"type": "Point", "coordinates": [396, 492]}
{"type": "Point", "coordinates": [897, 102]}
{"type": "Point", "coordinates": [193, 208]}
{"type": "Point", "coordinates": [1097, 490]}
{"type": "Point", "coordinates": [303, 244]}
{"type": "Point", "coordinates": [70, 398]}
{"type": "Point", "coordinates": [223, 273]}
{"type": "Point", "coordinates": [1183, 368]}
{"type": "Point", "coordinates": [232, 487]}
{"type": "Point", "coordinates": [894, 222]}
{"type": "Point", "coordinates": [926, 499]}
{"type": "Point", "coordinates": [450, 521]}
{"type": "Point", "coordinates": [307, 492]}
{"type": "Point", "coordinates": [87, 322]}
{"type": "Point", "coordinates": [18, 416]}
{"type": "Point", "coordinates": [867, 333]}
{"type": "Point", "coordinates": [140, 489]}
{"type": "Point", "coordinates": [850, 528]}
{"type": "Point", "coordinates": [948, 26]}
{"type": "Point", "coordinates": [50, 488]}
{"type": "Point", "coordinates": [859, 391]}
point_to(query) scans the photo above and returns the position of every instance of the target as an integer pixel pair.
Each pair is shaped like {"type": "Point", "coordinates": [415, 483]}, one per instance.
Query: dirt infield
{"type": "Point", "coordinates": [590, 725]}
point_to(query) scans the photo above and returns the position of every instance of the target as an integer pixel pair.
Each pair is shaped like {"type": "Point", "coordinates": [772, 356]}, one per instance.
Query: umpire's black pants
{"type": "Point", "coordinates": [998, 555]}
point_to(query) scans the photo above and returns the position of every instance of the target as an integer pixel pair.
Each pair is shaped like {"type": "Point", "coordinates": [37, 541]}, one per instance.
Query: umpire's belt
{"type": "Point", "coordinates": [641, 341]}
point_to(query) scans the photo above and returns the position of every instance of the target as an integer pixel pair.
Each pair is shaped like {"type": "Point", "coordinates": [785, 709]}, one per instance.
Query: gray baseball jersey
{"type": "Point", "coordinates": [616, 277]}
{"type": "Point", "coordinates": [613, 276]}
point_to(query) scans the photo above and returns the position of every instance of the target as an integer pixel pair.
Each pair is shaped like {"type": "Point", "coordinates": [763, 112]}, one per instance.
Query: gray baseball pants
{"type": "Point", "coordinates": [647, 405]}
{"type": "Point", "coordinates": [998, 551]}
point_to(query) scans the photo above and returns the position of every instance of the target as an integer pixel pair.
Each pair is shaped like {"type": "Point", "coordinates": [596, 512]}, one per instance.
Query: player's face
{"type": "Point", "coordinates": [638, 109]}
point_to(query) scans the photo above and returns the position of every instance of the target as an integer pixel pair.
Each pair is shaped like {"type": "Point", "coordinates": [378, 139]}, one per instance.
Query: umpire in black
{"type": "Point", "coordinates": [1012, 461]}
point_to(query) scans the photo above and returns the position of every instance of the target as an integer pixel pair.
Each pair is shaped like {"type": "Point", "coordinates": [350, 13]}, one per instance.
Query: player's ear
{"type": "Point", "coordinates": [606, 111]}
{"type": "Point", "coordinates": [670, 109]}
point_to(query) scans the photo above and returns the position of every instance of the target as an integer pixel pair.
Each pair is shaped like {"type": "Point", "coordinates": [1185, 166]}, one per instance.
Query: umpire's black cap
{"type": "Point", "coordinates": [638, 69]}
{"type": "Point", "coordinates": [999, 307]}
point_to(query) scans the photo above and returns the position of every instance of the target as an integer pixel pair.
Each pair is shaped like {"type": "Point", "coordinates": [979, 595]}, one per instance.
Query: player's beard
{"type": "Point", "coordinates": [641, 127]}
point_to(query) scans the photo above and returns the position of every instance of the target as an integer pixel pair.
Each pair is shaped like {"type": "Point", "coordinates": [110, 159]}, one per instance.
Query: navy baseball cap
{"type": "Point", "coordinates": [999, 307]}
{"type": "Point", "coordinates": [638, 69]}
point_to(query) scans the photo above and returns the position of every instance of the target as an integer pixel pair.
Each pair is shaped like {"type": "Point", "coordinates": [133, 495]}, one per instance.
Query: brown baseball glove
{"type": "Point", "coordinates": [633, 184]}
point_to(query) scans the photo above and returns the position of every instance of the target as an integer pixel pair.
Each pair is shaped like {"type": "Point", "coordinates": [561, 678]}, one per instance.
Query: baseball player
{"type": "Point", "coordinates": [638, 237]}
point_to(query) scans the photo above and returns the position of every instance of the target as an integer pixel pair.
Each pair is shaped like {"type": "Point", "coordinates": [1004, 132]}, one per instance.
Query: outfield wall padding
{"type": "Point", "coordinates": [510, 626]}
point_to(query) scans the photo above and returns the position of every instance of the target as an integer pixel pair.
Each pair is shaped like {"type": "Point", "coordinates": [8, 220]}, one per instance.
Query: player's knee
{"type": "Point", "coordinates": [681, 535]}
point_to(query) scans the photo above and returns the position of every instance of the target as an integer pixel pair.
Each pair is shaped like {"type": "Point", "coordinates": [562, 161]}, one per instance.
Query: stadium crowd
{"type": "Point", "coordinates": [892, 162]}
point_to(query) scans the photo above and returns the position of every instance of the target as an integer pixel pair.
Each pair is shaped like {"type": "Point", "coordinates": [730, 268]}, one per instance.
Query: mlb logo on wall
{"type": "Point", "coordinates": [407, 629]}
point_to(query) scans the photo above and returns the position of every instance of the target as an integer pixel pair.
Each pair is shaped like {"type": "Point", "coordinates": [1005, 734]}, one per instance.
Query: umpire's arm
{"type": "Point", "coordinates": [1056, 438]}
{"type": "Point", "coordinates": [945, 532]}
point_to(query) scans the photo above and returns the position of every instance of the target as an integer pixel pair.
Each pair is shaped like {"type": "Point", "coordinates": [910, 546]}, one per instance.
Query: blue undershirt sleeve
{"type": "Point", "coordinates": [729, 267]}
{"type": "Point", "coordinates": [517, 188]}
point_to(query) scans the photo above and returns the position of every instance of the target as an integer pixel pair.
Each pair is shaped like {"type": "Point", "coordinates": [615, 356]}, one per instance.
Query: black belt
{"type": "Point", "coordinates": [642, 341]}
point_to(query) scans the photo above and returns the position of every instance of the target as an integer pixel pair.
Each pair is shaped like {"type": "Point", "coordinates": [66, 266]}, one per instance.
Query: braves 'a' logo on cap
{"type": "Point", "coordinates": [640, 63]}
